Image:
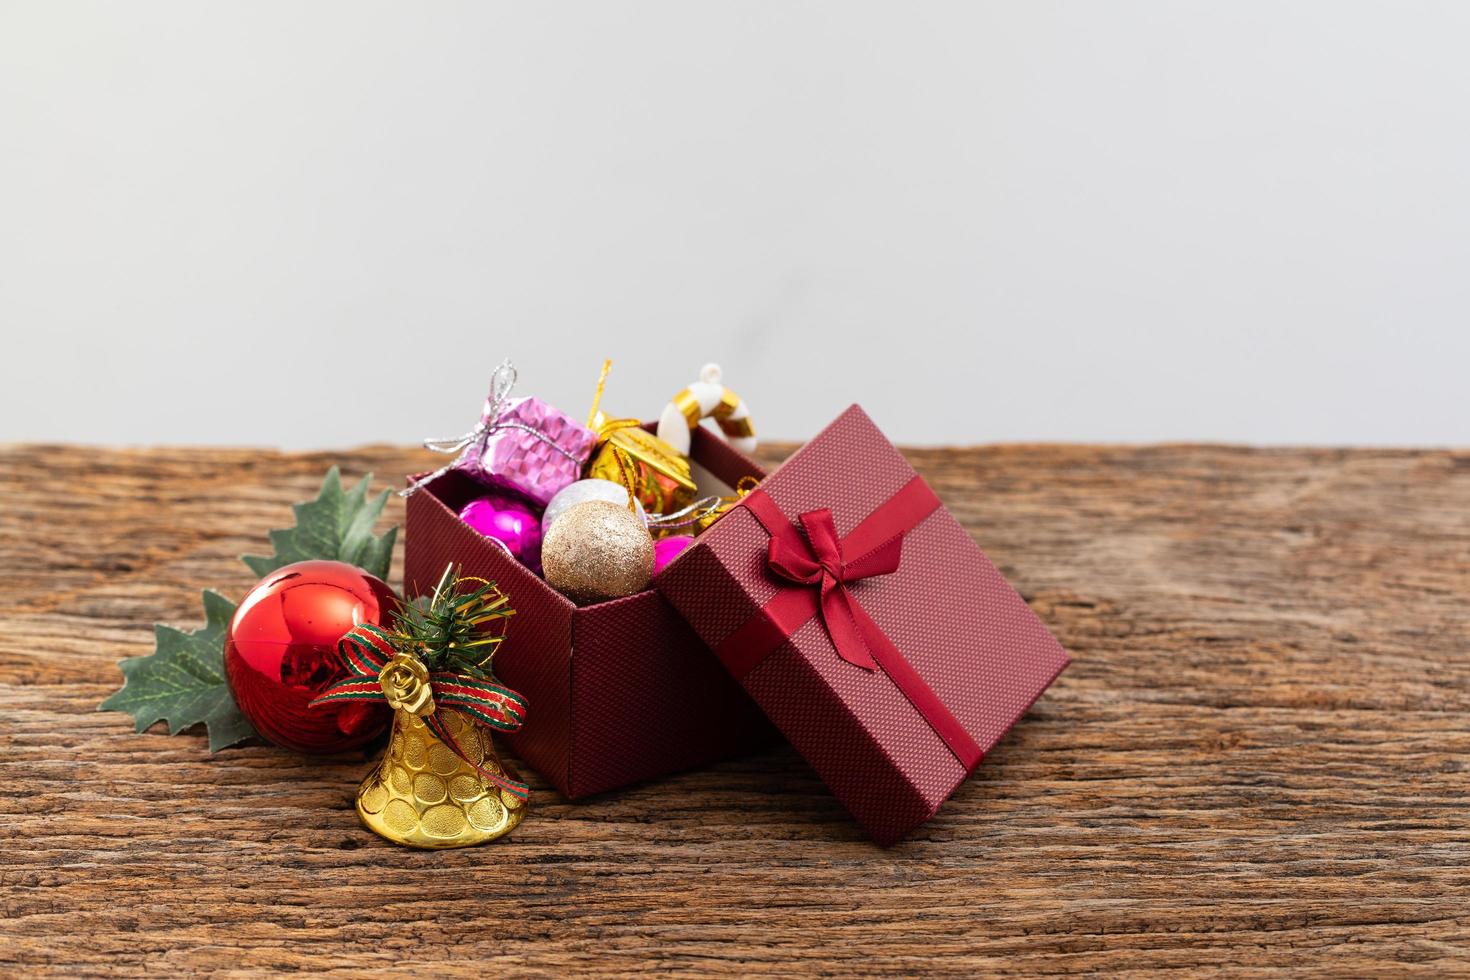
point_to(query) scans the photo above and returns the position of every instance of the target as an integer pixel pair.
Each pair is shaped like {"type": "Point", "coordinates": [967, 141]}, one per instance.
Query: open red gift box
{"type": "Point", "coordinates": [618, 692]}
{"type": "Point", "coordinates": [839, 599]}
{"type": "Point", "coordinates": [867, 624]}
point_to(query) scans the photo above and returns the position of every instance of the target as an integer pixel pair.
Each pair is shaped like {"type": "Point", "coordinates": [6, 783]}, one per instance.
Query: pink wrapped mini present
{"type": "Point", "coordinates": [520, 444]}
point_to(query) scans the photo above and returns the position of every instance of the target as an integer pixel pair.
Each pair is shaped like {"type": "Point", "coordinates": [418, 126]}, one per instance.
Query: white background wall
{"type": "Point", "coordinates": [323, 223]}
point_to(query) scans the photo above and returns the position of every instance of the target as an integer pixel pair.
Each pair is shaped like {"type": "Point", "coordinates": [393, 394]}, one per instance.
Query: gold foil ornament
{"type": "Point", "coordinates": [424, 795]}
{"type": "Point", "coordinates": [596, 551]}
{"type": "Point", "coordinates": [698, 516]}
{"type": "Point", "coordinates": [635, 458]}
{"type": "Point", "coordinates": [656, 473]}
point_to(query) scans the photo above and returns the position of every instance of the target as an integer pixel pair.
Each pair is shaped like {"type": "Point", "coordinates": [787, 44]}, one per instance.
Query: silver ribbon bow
{"type": "Point", "coordinates": [474, 442]}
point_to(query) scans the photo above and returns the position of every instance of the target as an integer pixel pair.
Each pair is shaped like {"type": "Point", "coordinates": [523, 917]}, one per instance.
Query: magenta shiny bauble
{"type": "Point", "coordinates": [666, 550]}
{"type": "Point", "coordinates": [281, 653]}
{"type": "Point", "coordinates": [514, 522]}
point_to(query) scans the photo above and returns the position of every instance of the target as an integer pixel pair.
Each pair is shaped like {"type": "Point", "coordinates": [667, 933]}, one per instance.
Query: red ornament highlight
{"type": "Point", "coordinates": [281, 652]}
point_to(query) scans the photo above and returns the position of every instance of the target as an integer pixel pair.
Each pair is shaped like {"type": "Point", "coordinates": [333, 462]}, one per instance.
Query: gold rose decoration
{"type": "Point", "coordinates": [405, 683]}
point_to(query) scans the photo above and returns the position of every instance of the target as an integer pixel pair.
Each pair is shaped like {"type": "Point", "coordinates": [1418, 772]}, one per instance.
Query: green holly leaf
{"type": "Point", "coordinates": [183, 681]}
{"type": "Point", "coordinates": [336, 525]}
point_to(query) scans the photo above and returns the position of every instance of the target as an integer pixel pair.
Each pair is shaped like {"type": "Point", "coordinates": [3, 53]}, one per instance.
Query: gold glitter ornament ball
{"type": "Point", "coordinates": [597, 550]}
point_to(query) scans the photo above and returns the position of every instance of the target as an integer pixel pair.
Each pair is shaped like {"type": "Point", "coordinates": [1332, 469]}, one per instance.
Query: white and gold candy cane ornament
{"type": "Point", "coordinates": [707, 398]}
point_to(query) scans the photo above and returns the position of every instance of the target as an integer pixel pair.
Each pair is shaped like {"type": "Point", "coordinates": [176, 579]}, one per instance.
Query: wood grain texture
{"type": "Point", "coordinates": [1260, 759]}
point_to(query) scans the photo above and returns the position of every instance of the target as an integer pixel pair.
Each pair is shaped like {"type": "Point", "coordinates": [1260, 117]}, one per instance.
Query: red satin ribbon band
{"type": "Point", "coordinates": [818, 558]}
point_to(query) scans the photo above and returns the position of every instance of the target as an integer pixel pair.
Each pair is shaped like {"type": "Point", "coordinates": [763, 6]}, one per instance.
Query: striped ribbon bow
{"type": "Point", "coordinates": [382, 673]}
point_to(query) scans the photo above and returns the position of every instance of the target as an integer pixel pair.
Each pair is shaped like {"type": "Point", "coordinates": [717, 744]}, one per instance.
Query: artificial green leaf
{"type": "Point", "coordinates": [183, 681]}
{"type": "Point", "coordinates": [336, 525]}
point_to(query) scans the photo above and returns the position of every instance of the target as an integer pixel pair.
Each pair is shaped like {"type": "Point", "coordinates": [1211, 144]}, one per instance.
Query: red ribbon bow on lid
{"type": "Point", "coordinates": [825, 563]}
{"type": "Point", "coordinates": [820, 558]}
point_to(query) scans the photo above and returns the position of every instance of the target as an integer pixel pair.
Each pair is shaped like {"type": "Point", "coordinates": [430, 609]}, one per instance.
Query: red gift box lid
{"type": "Point", "coordinates": [867, 624]}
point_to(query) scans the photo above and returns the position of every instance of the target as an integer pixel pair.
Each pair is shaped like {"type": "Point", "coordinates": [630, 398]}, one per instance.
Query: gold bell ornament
{"type": "Point", "coordinates": [656, 473]}
{"type": "Point", "coordinates": [440, 782]}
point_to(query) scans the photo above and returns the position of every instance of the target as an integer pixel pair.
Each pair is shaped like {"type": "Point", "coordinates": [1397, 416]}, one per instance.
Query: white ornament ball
{"type": "Point", "coordinates": [582, 491]}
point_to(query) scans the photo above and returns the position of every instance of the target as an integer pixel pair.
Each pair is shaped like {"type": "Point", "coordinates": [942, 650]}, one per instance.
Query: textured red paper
{"type": "Point", "coordinates": [958, 623]}
{"type": "Point", "coordinates": [617, 692]}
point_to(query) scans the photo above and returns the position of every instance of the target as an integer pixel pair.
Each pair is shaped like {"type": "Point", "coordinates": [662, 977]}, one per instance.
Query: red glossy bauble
{"type": "Point", "coordinates": [282, 651]}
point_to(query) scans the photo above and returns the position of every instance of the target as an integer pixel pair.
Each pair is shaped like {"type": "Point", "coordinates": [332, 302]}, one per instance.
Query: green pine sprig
{"type": "Point", "coordinates": [454, 628]}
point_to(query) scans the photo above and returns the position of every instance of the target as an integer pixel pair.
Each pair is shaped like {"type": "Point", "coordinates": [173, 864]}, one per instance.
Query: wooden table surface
{"type": "Point", "coordinates": [1260, 758]}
